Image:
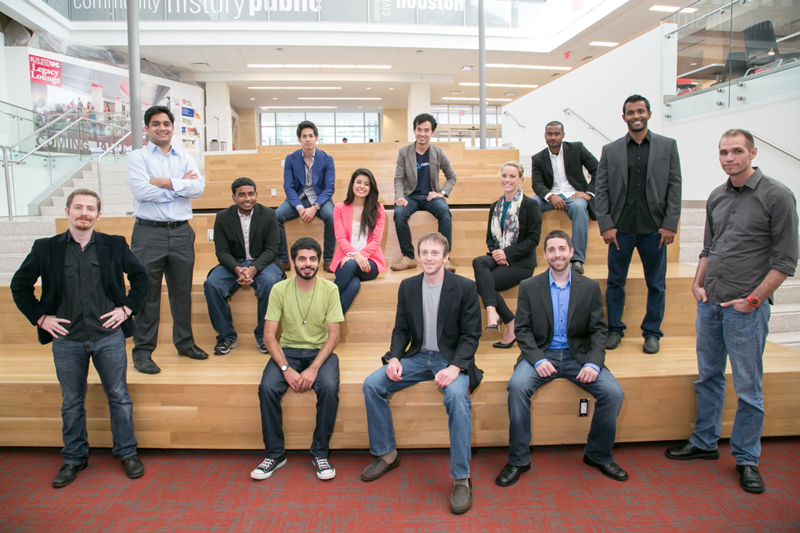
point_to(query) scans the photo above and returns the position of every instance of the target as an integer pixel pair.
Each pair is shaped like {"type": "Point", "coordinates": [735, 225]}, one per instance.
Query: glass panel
{"type": "Point", "coordinates": [327, 134]}
{"type": "Point", "coordinates": [321, 119]}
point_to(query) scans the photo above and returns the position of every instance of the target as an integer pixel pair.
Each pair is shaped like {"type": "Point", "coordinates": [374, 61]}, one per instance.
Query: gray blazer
{"type": "Point", "coordinates": [405, 174]}
{"type": "Point", "coordinates": [663, 189]}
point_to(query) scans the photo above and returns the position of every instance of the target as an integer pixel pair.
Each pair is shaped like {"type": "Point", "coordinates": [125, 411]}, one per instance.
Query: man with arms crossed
{"type": "Point", "coordinates": [85, 313]}
{"type": "Point", "coordinates": [638, 206]}
{"type": "Point", "coordinates": [559, 183]}
{"type": "Point", "coordinates": [246, 239]}
{"type": "Point", "coordinates": [163, 182]}
{"type": "Point", "coordinates": [558, 342]}
{"type": "Point", "coordinates": [310, 311]}
{"type": "Point", "coordinates": [750, 247]}
{"type": "Point", "coordinates": [416, 187]}
{"type": "Point", "coordinates": [435, 337]}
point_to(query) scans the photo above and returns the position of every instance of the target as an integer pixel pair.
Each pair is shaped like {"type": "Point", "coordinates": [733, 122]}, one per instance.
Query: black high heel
{"type": "Point", "coordinates": [493, 327]}
{"type": "Point", "coordinates": [504, 346]}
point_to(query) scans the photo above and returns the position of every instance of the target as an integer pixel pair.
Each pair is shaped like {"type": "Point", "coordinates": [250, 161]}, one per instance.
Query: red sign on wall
{"type": "Point", "coordinates": [45, 71]}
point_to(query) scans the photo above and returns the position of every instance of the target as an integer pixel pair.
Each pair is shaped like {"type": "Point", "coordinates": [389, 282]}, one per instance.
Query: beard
{"type": "Point", "coordinates": [305, 276]}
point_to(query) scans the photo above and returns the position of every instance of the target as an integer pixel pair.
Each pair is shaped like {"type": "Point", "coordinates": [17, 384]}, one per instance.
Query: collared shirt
{"type": "Point", "coordinates": [636, 217]}
{"type": "Point", "coordinates": [156, 203]}
{"type": "Point", "coordinates": [84, 299]}
{"type": "Point", "coordinates": [749, 231]}
{"type": "Point", "coordinates": [308, 187]}
{"type": "Point", "coordinates": [561, 184]}
{"type": "Point", "coordinates": [245, 221]}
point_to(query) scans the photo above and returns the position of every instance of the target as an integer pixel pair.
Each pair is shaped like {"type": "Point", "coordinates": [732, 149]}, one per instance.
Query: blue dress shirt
{"type": "Point", "coordinates": [156, 203]}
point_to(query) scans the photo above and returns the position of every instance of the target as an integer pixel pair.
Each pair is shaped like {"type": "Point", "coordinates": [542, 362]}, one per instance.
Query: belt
{"type": "Point", "coordinates": [158, 224]}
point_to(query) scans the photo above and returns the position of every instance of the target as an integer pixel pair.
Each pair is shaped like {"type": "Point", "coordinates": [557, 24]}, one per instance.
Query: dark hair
{"type": "Point", "coordinates": [557, 234]}
{"type": "Point", "coordinates": [749, 142]}
{"type": "Point", "coordinates": [369, 214]}
{"type": "Point", "coordinates": [636, 98]}
{"type": "Point", "coordinates": [554, 123]}
{"type": "Point", "coordinates": [305, 243]}
{"type": "Point", "coordinates": [425, 117]}
{"type": "Point", "coordinates": [242, 182]}
{"type": "Point", "coordinates": [83, 192]}
{"type": "Point", "coordinates": [305, 125]}
{"type": "Point", "coordinates": [155, 110]}
{"type": "Point", "coordinates": [436, 237]}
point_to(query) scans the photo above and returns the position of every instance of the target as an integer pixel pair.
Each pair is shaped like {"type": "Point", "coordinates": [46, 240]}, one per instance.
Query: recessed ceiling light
{"type": "Point", "coordinates": [510, 94]}
{"type": "Point", "coordinates": [673, 9]}
{"type": "Point", "coordinates": [476, 99]}
{"type": "Point", "coordinates": [360, 107]}
{"type": "Point", "coordinates": [456, 92]}
{"type": "Point", "coordinates": [301, 65]}
{"type": "Point", "coordinates": [692, 64]}
{"type": "Point", "coordinates": [338, 66]}
{"type": "Point", "coordinates": [533, 67]}
{"type": "Point", "coordinates": [369, 88]}
{"type": "Point", "coordinates": [602, 43]}
{"type": "Point", "coordinates": [264, 65]}
{"type": "Point", "coordinates": [468, 67]}
{"type": "Point", "coordinates": [297, 88]}
{"type": "Point", "coordinates": [379, 107]}
{"type": "Point", "coordinates": [299, 107]}
{"type": "Point", "coordinates": [333, 98]}
{"type": "Point", "coordinates": [391, 88]}
{"type": "Point", "coordinates": [374, 66]}
{"type": "Point", "coordinates": [509, 85]}
{"type": "Point", "coordinates": [275, 98]}
{"type": "Point", "coordinates": [252, 99]}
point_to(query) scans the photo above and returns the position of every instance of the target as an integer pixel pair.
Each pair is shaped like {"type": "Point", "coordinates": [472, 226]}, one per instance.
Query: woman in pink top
{"type": "Point", "coordinates": [358, 224]}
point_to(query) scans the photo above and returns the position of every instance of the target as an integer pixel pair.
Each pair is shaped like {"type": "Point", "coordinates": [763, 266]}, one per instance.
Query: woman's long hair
{"type": "Point", "coordinates": [369, 214]}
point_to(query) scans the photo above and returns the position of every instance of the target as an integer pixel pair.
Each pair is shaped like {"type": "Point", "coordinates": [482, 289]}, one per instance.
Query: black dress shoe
{"type": "Point", "coordinates": [499, 344]}
{"type": "Point", "coordinates": [651, 345]}
{"type": "Point", "coordinates": [750, 479]}
{"type": "Point", "coordinates": [577, 266]}
{"type": "Point", "coordinates": [194, 353]}
{"type": "Point", "coordinates": [326, 266]}
{"type": "Point", "coordinates": [612, 340]}
{"type": "Point", "coordinates": [145, 365]}
{"type": "Point", "coordinates": [612, 469]}
{"type": "Point", "coordinates": [510, 474]}
{"type": "Point", "coordinates": [689, 451]}
{"type": "Point", "coordinates": [133, 467]}
{"type": "Point", "coordinates": [67, 474]}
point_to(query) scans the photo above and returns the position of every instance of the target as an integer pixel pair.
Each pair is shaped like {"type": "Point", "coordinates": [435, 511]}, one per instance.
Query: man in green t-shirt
{"type": "Point", "coordinates": [310, 311]}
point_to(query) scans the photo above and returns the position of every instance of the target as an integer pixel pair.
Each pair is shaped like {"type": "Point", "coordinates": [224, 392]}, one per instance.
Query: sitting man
{"type": "Point", "coordinates": [439, 314]}
{"type": "Point", "coordinates": [246, 239]}
{"type": "Point", "coordinates": [559, 183]}
{"type": "Point", "coordinates": [310, 311]}
{"type": "Point", "coordinates": [416, 187]}
{"type": "Point", "coordinates": [556, 341]}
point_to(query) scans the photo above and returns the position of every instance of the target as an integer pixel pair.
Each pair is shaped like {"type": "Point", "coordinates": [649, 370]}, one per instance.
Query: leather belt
{"type": "Point", "coordinates": [158, 224]}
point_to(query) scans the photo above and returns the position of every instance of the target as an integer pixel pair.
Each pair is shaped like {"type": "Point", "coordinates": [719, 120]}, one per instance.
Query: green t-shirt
{"type": "Point", "coordinates": [320, 306]}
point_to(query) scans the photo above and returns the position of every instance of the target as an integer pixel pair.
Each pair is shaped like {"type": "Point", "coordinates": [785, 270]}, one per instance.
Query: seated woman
{"type": "Point", "coordinates": [515, 225]}
{"type": "Point", "coordinates": [358, 224]}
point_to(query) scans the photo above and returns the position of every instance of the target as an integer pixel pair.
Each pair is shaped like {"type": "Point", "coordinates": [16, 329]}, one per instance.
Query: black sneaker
{"type": "Point", "coordinates": [268, 467]}
{"type": "Point", "coordinates": [324, 468]}
{"type": "Point", "coordinates": [262, 347]}
{"type": "Point", "coordinates": [224, 346]}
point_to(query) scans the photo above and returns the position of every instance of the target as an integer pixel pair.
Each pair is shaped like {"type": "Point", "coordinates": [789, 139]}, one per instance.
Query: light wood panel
{"type": "Point", "coordinates": [248, 129]}
{"type": "Point", "coordinates": [395, 126]}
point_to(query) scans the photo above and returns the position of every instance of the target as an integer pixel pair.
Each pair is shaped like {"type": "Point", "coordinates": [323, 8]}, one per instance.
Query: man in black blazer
{"type": "Point", "coordinates": [247, 239]}
{"type": "Point", "coordinates": [84, 311]}
{"type": "Point", "coordinates": [561, 332]}
{"type": "Point", "coordinates": [559, 183]}
{"type": "Point", "coordinates": [435, 337]}
{"type": "Point", "coordinates": [638, 206]}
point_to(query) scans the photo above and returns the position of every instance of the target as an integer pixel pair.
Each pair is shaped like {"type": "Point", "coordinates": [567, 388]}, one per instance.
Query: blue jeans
{"type": "Point", "coordinates": [578, 213]}
{"type": "Point", "coordinates": [72, 368]}
{"type": "Point", "coordinates": [421, 367]}
{"type": "Point", "coordinates": [221, 284]}
{"type": "Point", "coordinates": [654, 261]}
{"type": "Point", "coordinates": [349, 277]}
{"type": "Point", "coordinates": [724, 332]}
{"type": "Point", "coordinates": [286, 212]}
{"type": "Point", "coordinates": [437, 207]}
{"type": "Point", "coordinates": [606, 390]}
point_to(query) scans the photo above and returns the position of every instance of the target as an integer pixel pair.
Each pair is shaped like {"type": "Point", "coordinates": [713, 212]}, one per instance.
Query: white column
{"type": "Point", "coordinates": [419, 101]}
{"type": "Point", "coordinates": [218, 104]}
{"type": "Point", "coordinates": [3, 74]}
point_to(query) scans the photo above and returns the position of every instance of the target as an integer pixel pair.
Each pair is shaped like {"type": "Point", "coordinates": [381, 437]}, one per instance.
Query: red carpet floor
{"type": "Point", "coordinates": [211, 491]}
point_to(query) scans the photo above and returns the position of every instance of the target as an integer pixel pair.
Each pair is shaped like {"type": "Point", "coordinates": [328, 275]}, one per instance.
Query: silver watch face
{"type": "Point", "coordinates": [284, 368]}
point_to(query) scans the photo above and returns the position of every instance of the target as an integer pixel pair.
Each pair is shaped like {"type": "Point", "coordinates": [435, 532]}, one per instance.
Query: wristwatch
{"type": "Point", "coordinates": [284, 368]}
{"type": "Point", "coordinates": [753, 301]}
{"type": "Point", "coordinates": [445, 194]}
{"type": "Point", "coordinates": [318, 206]}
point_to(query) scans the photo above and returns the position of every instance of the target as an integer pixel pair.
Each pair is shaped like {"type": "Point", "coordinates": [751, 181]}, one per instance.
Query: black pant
{"type": "Point", "coordinates": [272, 388]}
{"type": "Point", "coordinates": [492, 278]}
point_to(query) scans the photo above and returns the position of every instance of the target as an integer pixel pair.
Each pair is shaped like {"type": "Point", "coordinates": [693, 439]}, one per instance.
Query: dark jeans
{"type": "Point", "coordinates": [286, 212]}
{"type": "Point", "coordinates": [606, 390]}
{"type": "Point", "coordinates": [654, 261]}
{"type": "Point", "coordinates": [349, 277]}
{"type": "Point", "coordinates": [492, 278]}
{"type": "Point", "coordinates": [272, 388]}
{"type": "Point", "coordinates": [72, 368]}
{"type": "Point", "coordinates": [437, 207]}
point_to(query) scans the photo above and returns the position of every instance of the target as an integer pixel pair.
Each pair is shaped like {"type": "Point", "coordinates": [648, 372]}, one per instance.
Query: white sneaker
{"type": "Point", "coordinates": [324, 468]}
{"type": "Point", "coordinates": [268, 467]}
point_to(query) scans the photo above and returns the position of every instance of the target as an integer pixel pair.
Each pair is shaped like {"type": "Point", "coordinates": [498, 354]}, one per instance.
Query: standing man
{"type": "Point", "coordinates": [309, 180]}
{"type": "Point", "coordinates": [435, 337]}
{"type": "Point", "coordinates": [557, 342]}
{"type": "Point", "coordinates": [638, 206]}
{"type": "Point", "coordinates": [163, 182]}
{"type": "Point", "coordinates": [310, 311]}
{"type": "Point", "coordinates": [246, 239]}
{"type": "Point", "coordinates": [416, 187]}
{"type": "Point", "coordinates": [559, 183]}
{"type": "Point", "coordinates": [85, 313]}
{"type": "Point", "coordinates": [750, 247]}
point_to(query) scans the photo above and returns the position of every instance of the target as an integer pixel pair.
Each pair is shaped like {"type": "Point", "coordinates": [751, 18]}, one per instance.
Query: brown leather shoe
{"type": "Point", "coordinates": [377, 468]}
{"type": "Point", "coordinates": [461, 498]}
{"type": "Point", "coordinates": [449, 266]}
{"type": "Point", "coordinates": [404, 264]}
{"type": "Point", "coordinates": [286, 266]}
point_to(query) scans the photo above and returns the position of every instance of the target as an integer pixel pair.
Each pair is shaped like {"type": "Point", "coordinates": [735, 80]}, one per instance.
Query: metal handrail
{"type": "Point", "coordinates": [567, 111]}
{"type": "Point", "coordinates": [9, 193]}
{"type": "Point", "coordinates": [203, 129]}
{"type": "Point", "coordinates": [506, 113]}
{"type": "Point", "coordinates": [99, 181]}
{"type": "Point", "coordinates": [698, 19]}
{"type": "Point", "coordinates": [780, 149]}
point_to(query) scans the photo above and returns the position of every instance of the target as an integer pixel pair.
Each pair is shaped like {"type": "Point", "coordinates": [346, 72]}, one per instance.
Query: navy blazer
{"type": "Point", "coordinates": [46, 260]}
{"type": "Point", "coordinates": [323, 176]}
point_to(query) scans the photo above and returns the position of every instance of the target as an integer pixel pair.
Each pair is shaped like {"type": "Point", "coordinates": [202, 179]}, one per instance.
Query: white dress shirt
{"type": "Point", "coordinates": [561, 184]}
{"type": "Point", "coordinates": [245, 220]}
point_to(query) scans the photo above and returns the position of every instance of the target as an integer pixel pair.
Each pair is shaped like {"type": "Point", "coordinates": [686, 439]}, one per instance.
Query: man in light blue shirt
{"type": "Point", "coordinates": [163, 182]}
{"type": "Point", "coordinates": [561, 331]}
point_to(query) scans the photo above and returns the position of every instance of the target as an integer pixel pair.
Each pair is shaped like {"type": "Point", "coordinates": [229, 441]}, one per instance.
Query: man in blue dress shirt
{"type": "Point", "coordinates": [556, 341]}
{"type": "Point", "coordinates": [163, 182]}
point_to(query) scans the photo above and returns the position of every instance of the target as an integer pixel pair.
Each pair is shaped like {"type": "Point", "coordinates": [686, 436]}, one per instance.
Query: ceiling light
{"type": "Point", "coordinates": [602, 43]}
{"type": "Point", "coordinates": [509, 85]}
{"type": "Point", "coordinates": [297, 88]}
{"type": "Point", "coordinates": [252, 99]}
{"type": "Point", "coordinates": [510, 94]}
{"type": "Point", "coordinates": [369, 88]}
{"type": "Point", "coordinates": [338, 66]}
{"type": "Point", "coordinates": [299, 107]}
{"type": "Point", "coordinates": [374, 66]}
{"type": "Point", "coordinates": [456, 92]}
{"type": "Point", "coordinates": [534, 67]}
{"type": "Point", "coordinates": [275, 98]}
{"type": "Point", "coordinates": [300, 65]}
{"type": "Point", "coordinates": [263, 65]}
{"type": "Point", "coordinates": [391, 88]}
{"type": "Point", "coordinates": [692, 64]}
{"type": "Point", "coordinates": [468, 67]}
{"type": "Point", "coordinates": [476, 99]}
{"type": "Point", "coordinates": [334, 98]}
{"type": "Point", "coordinates": [360, 107]}
{"type": "Point", "coordinates": [673, 9]}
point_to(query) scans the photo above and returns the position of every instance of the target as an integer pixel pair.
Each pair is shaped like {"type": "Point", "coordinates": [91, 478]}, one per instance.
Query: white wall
{"type": "Point", "coordinates": [218, 104]}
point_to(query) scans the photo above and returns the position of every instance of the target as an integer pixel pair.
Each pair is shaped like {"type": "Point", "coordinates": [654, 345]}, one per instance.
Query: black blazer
{"type": "Point", "coordinates": [586, 328]}
{"type": "Point", "coordinates": [46, 260]}
{"type": "Point", "coordinates": [523, 253]}
{"type": "Point", "coordinates": [576, 156]}
{"type": "Point", "coordinates": [265, 237]}
{"type": "Point", "coordinates": [458, 325]}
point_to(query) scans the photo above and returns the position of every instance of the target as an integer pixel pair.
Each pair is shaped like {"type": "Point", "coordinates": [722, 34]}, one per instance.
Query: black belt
{"type": "Point", "coordinates": [157, 224]}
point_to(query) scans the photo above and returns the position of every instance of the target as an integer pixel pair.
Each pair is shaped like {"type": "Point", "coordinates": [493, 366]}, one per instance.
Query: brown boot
{"type": "Point", "coordinates": [404, 264]}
